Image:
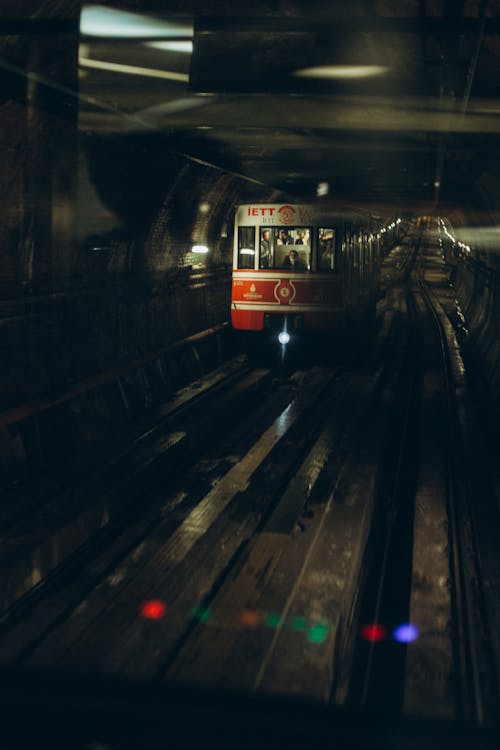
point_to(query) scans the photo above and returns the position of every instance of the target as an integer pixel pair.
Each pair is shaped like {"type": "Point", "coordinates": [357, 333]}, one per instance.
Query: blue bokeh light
{"type": "Point", "coordinates": [406, 633]}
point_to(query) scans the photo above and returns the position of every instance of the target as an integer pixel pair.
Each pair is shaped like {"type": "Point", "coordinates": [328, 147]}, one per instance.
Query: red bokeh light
{"type": "Point", "coordinates": [373, 632]}
{"type": "Point", "coordinates": [153, 610]}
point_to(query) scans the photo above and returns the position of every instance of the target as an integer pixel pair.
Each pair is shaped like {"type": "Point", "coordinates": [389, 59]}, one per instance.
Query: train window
{"type": "Point", "coordinates": [327, 260]}
{"type": "Point", "coordinates": [291, 238]}
{"type": "Point", "coordinates": [246, 247]}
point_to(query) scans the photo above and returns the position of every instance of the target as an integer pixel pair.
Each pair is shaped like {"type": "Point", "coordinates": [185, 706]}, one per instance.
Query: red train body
{"type": "Point", "coordinates": [296, 268]}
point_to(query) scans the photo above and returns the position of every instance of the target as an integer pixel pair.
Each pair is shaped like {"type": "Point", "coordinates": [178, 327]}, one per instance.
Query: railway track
{"type": "Point", "coordinates": [428, 575]}
{"type": "Point", "coordinates": [296, 512]}
{"type": "Point", "coordinates": [37, 526]}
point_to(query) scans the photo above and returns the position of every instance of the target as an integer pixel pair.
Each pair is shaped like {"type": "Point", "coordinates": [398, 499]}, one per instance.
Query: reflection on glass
{"type": "Point", "coordinates": [99, 21]}
{"type": "Point", "coordinates": [246, 245]}
{"type": "Point", "coordinates": [326, 249]}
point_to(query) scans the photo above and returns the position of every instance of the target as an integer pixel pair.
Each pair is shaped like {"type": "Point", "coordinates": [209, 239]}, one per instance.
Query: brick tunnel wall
{"type": "Point", "coordinates": [69, 310]}
{"type": "Point", "coordinates": [75, 305]}
{"type": "Point", "coordinates": [71, 307]}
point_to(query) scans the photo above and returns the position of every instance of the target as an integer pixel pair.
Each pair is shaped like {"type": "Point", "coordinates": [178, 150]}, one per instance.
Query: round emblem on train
{"type": "Point", "coordinates": [286, 214]}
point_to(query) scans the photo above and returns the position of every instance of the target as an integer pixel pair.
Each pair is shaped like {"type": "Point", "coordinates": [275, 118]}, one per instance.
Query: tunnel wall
{"type": "Point", "coordinates": [72, 311]}
{"type": "Point", "coordinates": [476, 278]}
{"type": "Point", "coordinates": [477, 284]}
{"type": "Point", "coordinates": [73, 306]}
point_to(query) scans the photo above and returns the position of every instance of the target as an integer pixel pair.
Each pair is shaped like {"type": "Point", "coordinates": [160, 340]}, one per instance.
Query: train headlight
{"type": "Point", "coordinates": [284, 337]}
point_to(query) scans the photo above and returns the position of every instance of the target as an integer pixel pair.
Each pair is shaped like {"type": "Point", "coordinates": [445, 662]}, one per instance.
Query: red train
{"type": "Point", "coordinates": [297, 270]}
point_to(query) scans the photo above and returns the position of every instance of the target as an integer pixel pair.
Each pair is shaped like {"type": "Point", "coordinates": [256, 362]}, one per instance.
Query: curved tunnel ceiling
{"type": "Point", "coordinates": [388, 104]}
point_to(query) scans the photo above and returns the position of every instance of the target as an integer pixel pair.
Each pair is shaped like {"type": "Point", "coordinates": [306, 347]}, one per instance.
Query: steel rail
{"type": "Point", "coordinates": [98, 541]}
{"type": "Point", "coordinates": [465, 643]}
{"type": "Point", "coordinates": [276, 434]}
{"type": "Point", "coordinates": [392, 511]}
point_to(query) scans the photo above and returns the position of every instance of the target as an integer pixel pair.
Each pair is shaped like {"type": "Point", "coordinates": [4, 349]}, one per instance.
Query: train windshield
{"type": "Point", "coordinates": [246, 247]}
{"type": "Point", "coordinates": [288, 247]}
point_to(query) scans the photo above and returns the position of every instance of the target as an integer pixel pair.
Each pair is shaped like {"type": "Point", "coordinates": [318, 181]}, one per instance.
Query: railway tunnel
{"type": "Point", "coordinates": [197, 546]}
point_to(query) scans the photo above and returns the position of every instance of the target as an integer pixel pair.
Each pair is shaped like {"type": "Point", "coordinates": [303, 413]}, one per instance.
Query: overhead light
{"type": "Point", "coordinates": [173, 46]}
{"type": "Point", "coordinates": [134, 70]}
{"type": "Point", "coordinates": [342, 71]}
{"type": "Point", "coordinates": [322, 189]}
{"type": "Point", "coordinates": [202, 249]}
{"type": "Point", "coordinates": [247, 251]}
{"type": "Point", "coordinates": [204, 208]}
{"type": "Point", "coordinates": [97, 20]}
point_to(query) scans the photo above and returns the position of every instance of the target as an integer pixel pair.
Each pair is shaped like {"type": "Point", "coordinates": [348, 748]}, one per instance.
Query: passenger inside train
{"type": "Point", "coordinates": [284, 238]}
{"type": "Point", "coordinates": [265, 256]}
{"type": "Point", "coordinates": [293, 261]}
{"type": "Point", "coordinates": [275, 246]}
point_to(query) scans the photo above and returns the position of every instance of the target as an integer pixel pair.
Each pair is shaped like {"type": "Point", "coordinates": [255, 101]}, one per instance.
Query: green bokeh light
{"type": "Point", "coordinates": [317, 633]}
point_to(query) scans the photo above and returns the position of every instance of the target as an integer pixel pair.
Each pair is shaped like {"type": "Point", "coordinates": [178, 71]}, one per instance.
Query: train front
{"type": "Point", "coordinates": [287, 284]}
